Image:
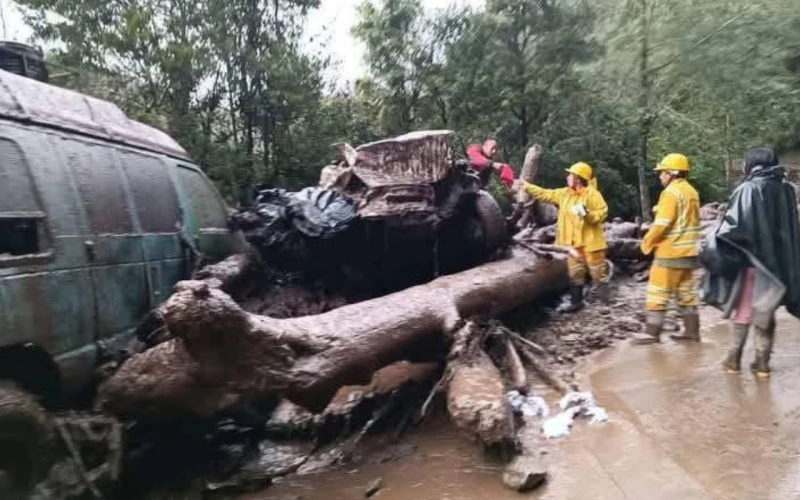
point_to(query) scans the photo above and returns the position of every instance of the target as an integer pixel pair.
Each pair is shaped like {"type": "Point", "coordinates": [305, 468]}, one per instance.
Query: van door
{"type": "Point", "coordinates": [159, 215]}
{"type": "Point", "coordinates": [205, 214]}
{"type": "Point", "coordinates": [113, 243]}
{"type": "Point", "coordinates": [42, 266]}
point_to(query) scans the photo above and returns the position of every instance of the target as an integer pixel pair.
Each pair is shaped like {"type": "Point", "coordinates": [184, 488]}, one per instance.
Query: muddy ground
{"type": "Point", "coordinates": [292, 451]}
{"type": "Point", "coordinates": [406, 464]}
{"type": "Point", "coordinates": [274, 442]}
{"type": "Point", "coordinates": [680, 427]}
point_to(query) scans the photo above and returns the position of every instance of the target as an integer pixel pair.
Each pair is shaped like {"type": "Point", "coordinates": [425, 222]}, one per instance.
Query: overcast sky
{"type": "Point", "coordinates": [328, 29]}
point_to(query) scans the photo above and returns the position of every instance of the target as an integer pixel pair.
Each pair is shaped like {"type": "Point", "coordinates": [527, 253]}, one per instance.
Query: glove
{"type": "Point", "coordinates": [506, 176]}
{"type": "Point", "coordinates": [579, 210]}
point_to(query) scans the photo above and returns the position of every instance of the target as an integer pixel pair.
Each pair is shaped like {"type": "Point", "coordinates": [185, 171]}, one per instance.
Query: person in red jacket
{"type": "Point", "coordinates": [480, 159]}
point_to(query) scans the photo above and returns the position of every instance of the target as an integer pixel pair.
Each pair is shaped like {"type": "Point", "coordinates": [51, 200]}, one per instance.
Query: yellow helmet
{"type": "Point", "coordinates": [582, 170]}
{"type": "Point", "coordinates": [673, 161]}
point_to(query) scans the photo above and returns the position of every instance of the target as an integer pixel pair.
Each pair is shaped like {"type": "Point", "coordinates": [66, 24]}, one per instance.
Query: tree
{"type": "Point", "coordinates": [400, 50]}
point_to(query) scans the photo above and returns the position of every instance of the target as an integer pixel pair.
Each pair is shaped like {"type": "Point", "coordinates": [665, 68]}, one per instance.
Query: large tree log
{"type": "Point", "coordinates": [232, 275]}
{"type": "Point", "coordinates": [476, 400]}
{"type": "Point", "coordinates": [221, 355]}
{"type": "Point", "coordinates": [626, 249]}
{"type": "Point", "coordinates": [229, 275]}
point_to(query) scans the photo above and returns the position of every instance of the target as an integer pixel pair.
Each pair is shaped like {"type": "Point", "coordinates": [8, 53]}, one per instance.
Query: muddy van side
{"type": "Point", "coordinates": [99, 217]}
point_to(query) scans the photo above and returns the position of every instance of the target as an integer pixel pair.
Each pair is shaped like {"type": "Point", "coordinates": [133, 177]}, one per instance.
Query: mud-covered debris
{"type": "Point", "coordinates": [524, 474]}
{"type": "Point", "coordinates": [576, 399]}
{"type": "Point", "coordinates": [273, 460]}
{"type": "Point", "coordinates": [373, 488]}
{"type": "Point", "coordinates": [559, 425]}
{"type": "Point", "coordinates": [392, 453]}
{"type": "Point", "coordinates": [597, 415]}
{"type": "Point", "coordinates": [530, 406]}
{"type": "Point", "coordinates": [573, 405]}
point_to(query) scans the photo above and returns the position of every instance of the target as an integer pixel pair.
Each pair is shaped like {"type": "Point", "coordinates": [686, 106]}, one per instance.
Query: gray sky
{"type": "Point", "coordinates": [328, 29]}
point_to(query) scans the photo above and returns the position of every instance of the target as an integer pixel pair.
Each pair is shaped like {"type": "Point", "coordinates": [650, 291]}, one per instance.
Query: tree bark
{"type": "Point", "coordinates": [476, 400]}
{"type": "Point", "coordinates": [525, 208]}
{"type": "Point", "coordinates": [221, 355]}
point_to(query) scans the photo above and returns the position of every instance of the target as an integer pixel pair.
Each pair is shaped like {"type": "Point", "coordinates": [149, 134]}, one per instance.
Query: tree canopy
{"type": "Point", "coordinates": [616, 83]}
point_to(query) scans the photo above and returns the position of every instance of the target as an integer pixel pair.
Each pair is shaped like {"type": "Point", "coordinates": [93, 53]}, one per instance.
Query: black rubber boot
{"type": "Point", "coordinates": [764, 339]}
{"type": "Point", "coordinates": [691, 328]}
{"type": "Point", "coordinates": [575, 299]}
{"type": "Point", "coordinates": [733, 362]}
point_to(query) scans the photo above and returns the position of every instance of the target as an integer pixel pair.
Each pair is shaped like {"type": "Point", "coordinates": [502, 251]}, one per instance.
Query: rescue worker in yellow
{"type": "Point", "coordinates": [675, 236]}
{"type": "Point", "coordinates": [581, 213]}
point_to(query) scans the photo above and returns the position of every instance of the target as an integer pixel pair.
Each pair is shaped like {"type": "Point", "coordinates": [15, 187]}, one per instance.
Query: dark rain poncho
{"type": "Point", "coordinates": [760, 230]}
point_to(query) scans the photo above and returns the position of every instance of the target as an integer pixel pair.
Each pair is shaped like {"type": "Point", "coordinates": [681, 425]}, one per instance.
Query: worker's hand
{"type": "Point", "coordinates": [579, 210]}
{"type": "Point", "coordinates": [507, 176]}
{"type": "Point", "coordinates": [518, 186]}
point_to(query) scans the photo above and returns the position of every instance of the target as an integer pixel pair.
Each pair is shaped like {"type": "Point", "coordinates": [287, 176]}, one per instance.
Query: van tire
{"type": "Point", "coordinates": [25, 441]}
{"type": "Point", "coordinates": [493, 224]}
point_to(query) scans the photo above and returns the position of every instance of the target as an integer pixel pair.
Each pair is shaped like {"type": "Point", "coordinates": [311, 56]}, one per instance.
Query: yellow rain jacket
{"type": "Point", "coordinates": [572, 230]}
{"type": "Point", "coordinates": [675, 234]}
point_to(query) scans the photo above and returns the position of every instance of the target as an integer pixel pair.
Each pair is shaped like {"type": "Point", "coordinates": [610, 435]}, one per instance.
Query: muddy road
{"type": "Point", "coordinates": [680, 427]}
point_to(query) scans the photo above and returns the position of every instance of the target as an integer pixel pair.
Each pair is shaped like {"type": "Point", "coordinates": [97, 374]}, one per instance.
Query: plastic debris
{"type": "Point", "coordinates": [597, 415]}
{"type": "Point", "coordinates": [560, 425]}
{"type": "Point", "coordinates": [515, 400]}
{"type": "Point", "coordinates": [573, 405]}
{"type": "Point", "coordinates": [535, 406]}
{"type": "Point", "coordinates": [530, 406]}
{"type": "Point", "coordinates": [313, 211]}
{"type": "Point", "coordinates": [580, 399]}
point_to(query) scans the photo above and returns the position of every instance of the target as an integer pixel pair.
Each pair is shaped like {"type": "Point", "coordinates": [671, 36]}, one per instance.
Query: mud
{"type": "Point", "coordinates": [293, 300]}
{"type": "Point", "coordinates": [680, 427]}
{"type": "Point", "coordinates": [569, 338]}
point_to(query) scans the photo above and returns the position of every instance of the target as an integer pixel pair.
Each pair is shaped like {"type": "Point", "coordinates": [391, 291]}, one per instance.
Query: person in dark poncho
{"type": "Point", "coordinates": [753, 258]}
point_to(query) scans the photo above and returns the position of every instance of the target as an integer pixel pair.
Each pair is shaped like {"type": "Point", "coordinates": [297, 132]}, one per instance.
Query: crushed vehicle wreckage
{"type": "Point", "coordinates": [385, 216]}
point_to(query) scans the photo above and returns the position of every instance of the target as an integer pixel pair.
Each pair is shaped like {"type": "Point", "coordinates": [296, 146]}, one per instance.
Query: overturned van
{"type": "Point", "coordinates": [99, 217]}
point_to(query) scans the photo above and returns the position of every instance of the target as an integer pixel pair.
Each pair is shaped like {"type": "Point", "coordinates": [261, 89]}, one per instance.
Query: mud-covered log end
{"type": "Point", "coordinates": [476, 400]}
{"type": "Point", "coordinates": [161, 382]}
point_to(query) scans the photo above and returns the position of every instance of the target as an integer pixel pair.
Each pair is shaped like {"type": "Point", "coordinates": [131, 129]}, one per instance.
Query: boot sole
{"type": "Point", "coordinates": [684, 339]}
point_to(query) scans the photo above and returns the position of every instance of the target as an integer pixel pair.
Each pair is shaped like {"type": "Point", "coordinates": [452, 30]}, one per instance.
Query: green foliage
{"type": "Point", "coordinates": [616, 83]}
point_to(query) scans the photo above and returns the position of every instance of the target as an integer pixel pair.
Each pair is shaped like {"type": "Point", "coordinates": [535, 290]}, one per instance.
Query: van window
{"type": "Point", "coordinates": [153, 193]}
{"type": "Point", "coordinates": [206, 205]}
{"type": "Point", "coordinates": [100, 187]}
{"type": "Point", "coordinates": [22, 220]}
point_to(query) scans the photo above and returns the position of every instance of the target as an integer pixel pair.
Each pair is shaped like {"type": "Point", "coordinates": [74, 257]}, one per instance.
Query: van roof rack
{"type": "Point", "coordinates": [27, 100]}
{"type": "Point", "coordinates": [23, 59]}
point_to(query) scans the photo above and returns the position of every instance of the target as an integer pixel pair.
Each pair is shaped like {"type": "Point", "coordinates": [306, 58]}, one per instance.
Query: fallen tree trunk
{"type": "Point", "coordinates": [229, 275]}
{"type": "Point", "coordinates": [626, 249]}
{"type": "Point", "coordinates": [221, 355]}
{"type": "Point", "coordinates": [475, 390]}
{"type": "Point", "coordinates": [622, 229]}
{"type": "Point", "coordinates": [476, 400]}
{"type": "Point", "coordinates": [619, 248]}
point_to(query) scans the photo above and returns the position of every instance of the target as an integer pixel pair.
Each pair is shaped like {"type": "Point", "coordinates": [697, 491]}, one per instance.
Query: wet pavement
{"type": "Point", "coordinates": [680, 428]}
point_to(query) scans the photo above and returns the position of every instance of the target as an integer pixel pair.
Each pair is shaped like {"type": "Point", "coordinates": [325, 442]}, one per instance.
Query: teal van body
{"type": "Point", "coordinates": [99, 217]}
